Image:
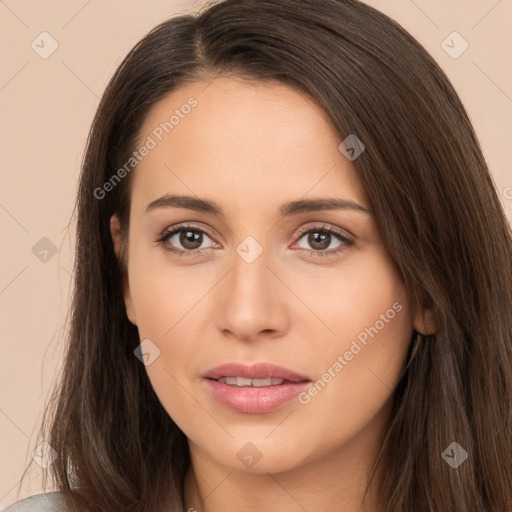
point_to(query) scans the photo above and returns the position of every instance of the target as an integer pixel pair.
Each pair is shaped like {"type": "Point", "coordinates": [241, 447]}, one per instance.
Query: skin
{"type": "Point", "coordinates": [243, 140]}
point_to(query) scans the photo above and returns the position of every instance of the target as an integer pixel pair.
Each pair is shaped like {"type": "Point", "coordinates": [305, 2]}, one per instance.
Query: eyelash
{"type": "Point", "coordinates": [347, 241]}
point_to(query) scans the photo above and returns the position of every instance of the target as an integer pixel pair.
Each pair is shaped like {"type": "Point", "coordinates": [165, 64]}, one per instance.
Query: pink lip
{"type": "Point", "coordinates": [254, 400]}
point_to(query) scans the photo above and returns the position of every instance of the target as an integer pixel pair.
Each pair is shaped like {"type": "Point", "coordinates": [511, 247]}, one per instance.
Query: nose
{"type": "Point", "coordinates": [252, 301]}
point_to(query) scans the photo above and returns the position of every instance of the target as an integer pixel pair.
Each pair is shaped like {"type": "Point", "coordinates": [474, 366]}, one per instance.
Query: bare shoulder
{"type": "Point", "coordinates": [44, 502]}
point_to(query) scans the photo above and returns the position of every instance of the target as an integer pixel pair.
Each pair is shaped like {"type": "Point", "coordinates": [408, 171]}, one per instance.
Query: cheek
{"type": "Point", "coordinates": [163, 294]}
{"type": "Point", "coordinates": [354, 298]}
{"type": "Point", "coordinates": [169, 304]}
{"type": "Point", "coordinates": [165, 307]}
{"type": "Point", "coordinates": [368, 310]}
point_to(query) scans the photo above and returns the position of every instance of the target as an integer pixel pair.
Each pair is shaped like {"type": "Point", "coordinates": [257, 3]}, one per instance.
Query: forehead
{"type": "Point", "coordinates": [252, 139]}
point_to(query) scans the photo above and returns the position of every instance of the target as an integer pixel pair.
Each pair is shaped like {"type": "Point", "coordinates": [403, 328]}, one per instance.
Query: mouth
{"type": "Point", "coordinates": [255, 389]}
{"type": "Point", "coordinates": [256, 383]}
{"type": "Point", "coordinates": [255, 373]}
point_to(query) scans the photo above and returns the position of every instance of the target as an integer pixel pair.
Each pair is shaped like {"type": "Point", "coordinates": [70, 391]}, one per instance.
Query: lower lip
{"type": "Point", "coordinates": [253, 400]}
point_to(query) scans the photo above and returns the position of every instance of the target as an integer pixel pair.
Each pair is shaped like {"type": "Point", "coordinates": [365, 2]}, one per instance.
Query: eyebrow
{"type": "Point", "coordinates": [285, 210]}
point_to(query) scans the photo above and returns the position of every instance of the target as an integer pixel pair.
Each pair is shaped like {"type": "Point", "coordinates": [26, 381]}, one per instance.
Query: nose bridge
{"type": "Point", "coordinates": [250, 276]}
{"type": "Point", "coordinates": [249, 304]}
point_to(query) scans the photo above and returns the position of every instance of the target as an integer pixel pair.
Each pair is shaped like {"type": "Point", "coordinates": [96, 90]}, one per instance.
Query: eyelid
{"type": "Point", "coordinates": [172, 230]}
{"type": "Point", "coordinates": [321, 226]}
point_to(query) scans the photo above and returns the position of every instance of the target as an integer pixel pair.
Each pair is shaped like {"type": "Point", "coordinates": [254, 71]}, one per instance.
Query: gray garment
{"type": "Point", "coordinates": [44, 502]}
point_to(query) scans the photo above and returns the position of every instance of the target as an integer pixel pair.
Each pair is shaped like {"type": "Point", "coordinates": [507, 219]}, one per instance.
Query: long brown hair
{"type": "Point", "coordinates": [438, 214]}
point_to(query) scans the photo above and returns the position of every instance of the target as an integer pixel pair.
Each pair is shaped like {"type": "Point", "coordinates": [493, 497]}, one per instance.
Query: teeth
{"type": "Point", "coordinates": [241, 381]}
{"type": "Point", "coordinates": [257, 383]}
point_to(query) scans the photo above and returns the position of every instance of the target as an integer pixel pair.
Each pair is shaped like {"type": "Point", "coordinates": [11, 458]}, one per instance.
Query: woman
{"type": "Point", "coordinates": [293, 278]}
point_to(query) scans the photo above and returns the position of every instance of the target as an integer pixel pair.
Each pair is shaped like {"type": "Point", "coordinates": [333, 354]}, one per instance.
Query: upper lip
{"type": "Point", "coordinates": [255, 371]}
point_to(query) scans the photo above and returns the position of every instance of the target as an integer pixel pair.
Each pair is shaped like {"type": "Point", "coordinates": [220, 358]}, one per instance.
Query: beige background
{"type": "Point", "coordinates": [47, 107]}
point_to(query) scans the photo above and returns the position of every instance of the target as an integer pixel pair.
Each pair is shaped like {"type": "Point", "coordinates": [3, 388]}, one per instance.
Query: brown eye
{"type": "Point", "coordinates": [319, 241]}
{"type": "Point", "coordinates": [184, 240]}
{"type": "Point", "coordinates": [190, 239]}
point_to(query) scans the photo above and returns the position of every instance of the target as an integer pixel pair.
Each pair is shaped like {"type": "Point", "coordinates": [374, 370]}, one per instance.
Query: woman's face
{"type": "Point", "coordinates": [261, 273]}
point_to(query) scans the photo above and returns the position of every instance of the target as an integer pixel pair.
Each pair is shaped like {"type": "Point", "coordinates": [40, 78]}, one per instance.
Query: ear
{"type": "Point", "coordinates": [425, 321]}
{"type": "Point", "coordinates": [115, 231]}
